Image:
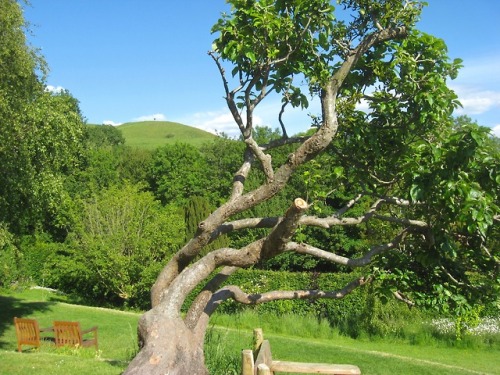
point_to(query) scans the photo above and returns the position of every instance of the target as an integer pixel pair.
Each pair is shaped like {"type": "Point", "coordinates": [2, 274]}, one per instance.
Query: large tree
{"type": "Point", "coordinates": [40, 132]}
{"type": "Point", "coordinates": [428, 191]}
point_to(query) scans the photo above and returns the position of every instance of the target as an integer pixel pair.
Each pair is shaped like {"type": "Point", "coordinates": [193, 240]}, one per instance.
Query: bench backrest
{"type": "Point", "coordinates": [67, 333]}
{"type": "Point", "coordinates": [27, 332]}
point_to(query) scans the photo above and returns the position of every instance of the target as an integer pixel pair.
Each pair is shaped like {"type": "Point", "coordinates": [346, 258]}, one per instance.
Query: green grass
{"type": "Point", "coordinates": [291, 337]}
{"type": "Point", "coordinates": [152, 134]}
{"type": "Point", "coordinates": [305, 339]}
{"type": "Point", "coordinates": [117, 336]}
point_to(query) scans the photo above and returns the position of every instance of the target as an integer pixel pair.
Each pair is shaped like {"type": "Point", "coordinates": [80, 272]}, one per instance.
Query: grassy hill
{"type": "Point", "coordinates": [152, 134]}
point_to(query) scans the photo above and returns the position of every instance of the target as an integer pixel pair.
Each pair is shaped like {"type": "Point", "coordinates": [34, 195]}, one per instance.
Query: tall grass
{"type": "Point", "coordinates": [218, 358]}
{"type": "Point", "coordinates": [421, 332]}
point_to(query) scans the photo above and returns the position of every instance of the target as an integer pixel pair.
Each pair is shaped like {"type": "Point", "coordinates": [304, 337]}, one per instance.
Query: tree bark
{"type": "Point", "coordinates": [169, 347]}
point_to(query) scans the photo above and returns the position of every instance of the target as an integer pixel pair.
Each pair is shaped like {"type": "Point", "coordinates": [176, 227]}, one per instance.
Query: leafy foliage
{"type": "Point", "coordinates": [118, 246]}
{"type": "Point", "coordinates": [40, 132]}
{"type": "Point", "coordinates": [176, 173]}
{"type": "Point", "coordinates": [103, 135]}
{"type": "Point", "coordinates": [10, 269]}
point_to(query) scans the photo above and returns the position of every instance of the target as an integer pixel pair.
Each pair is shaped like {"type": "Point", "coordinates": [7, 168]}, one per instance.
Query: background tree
{"type": "Point", "coordinates": [106, 161]}
{"type": "Point", "coordinates": [223, 156]}
{"type": "Point", "coordinates": [103, 135]}
{"type": "Point", "coordinates": [176, 173]}
{"type": "Point", "coordinates": [40, 133]}
{"type": "Point", "coordinates": [195, 211]}
{"type": "Point", "coordinates": [9, 258]}
{"type": "Point", "coordinates": [121, 237]}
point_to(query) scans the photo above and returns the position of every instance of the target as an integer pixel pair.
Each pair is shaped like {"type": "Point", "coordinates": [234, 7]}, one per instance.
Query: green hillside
{"type": "Point", "coordinates": [152, 134]}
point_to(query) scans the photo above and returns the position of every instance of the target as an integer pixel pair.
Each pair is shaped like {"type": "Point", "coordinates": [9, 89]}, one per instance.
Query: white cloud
{"type": "Point", "coordinates": [477, 86]}
{"type": "Point", "coordinates": [216, 122]}
{"type": "Point", "coordinates": [54, 89]}
{"type": "Point", "coordinates": [363, 105]}
{"type": "Point", "coordinates": [112, 123]}
{"type": "Point", "coordinates": [154, 117]}
{"type": "Point", "coordinates": [495, 130]}
{"type": "Point", "coordinates": [477, 101]}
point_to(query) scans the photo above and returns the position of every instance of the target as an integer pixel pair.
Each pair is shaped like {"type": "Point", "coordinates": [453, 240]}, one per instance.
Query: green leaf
{"type": "Point", "coordinates": [338, 171]}
{"type": "Point", "coordinates": [416, 193]}
{"type": "Point", "coordinates": [251, 56]}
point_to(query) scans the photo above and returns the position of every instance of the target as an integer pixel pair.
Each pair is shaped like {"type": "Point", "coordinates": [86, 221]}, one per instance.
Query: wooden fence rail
{"type": "Point", "coordinates": [263, 364]}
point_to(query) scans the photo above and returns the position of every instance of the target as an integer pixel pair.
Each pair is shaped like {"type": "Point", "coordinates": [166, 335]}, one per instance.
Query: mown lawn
{"type": "Point", "coordinates": [117, 336]}
{"type": "Point", "coordinates": [372, 357]}
{"type": "Point", "coordinates": [117, 343]}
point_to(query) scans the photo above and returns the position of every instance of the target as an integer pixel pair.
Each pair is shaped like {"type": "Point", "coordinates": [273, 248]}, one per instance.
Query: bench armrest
{"type": "Point", "coordinates": [94, 328]}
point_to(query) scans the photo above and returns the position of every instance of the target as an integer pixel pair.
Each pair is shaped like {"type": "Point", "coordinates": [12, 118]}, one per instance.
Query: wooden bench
{"type": "Point", "coordinates": [28, 333]}
{"type": "Point", "coordinates": [71, 334]}
{"type": "Point", "coordinates": [265, 365]}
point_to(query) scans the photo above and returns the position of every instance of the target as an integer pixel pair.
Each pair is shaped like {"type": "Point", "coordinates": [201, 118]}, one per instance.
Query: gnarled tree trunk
{"type": "Point", "coordinates": [168, 347]}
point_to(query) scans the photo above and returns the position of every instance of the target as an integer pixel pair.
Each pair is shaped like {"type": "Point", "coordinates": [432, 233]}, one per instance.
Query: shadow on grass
{"type": "Point", "coordinates": [11, 307]}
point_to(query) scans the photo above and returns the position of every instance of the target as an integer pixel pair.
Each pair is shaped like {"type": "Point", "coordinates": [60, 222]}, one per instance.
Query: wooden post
{"type": "Point", "coordinates": [247, 364]}
{"type": "Point", "coordinates": [263, 369]}
{"type": "Point", "coordinates": [258, 337]}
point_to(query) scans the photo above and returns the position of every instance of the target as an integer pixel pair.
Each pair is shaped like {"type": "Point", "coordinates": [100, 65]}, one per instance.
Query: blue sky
{"type": "Point", "coordinates": [133, 60]}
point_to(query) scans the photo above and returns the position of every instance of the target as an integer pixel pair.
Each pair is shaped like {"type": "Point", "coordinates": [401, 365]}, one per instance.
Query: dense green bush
{"type": "Point", "coordinates": [35, 251]}
{"type": "Point", "coordinates": [10, 270]}
{"type": "Point", "coordinates": [114, 253]}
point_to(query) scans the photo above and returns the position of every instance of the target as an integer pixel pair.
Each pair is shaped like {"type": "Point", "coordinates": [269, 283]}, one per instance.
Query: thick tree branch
{"type": "Point", "coordinates": [193, 316]}
{"type": "Point", "coordinates": [326, 222]}
{"type": "Point", "coordinates": [355, 54]}
{"type": "Point", "coordinates": [282, 233]}
{"type": "Point", "coordinates": [241, 176]}
{"type": "Point", "coordinates": [348, 205]}
{"type": "Point", "coordinates": [240, 296]}
{"type": "Point", "coordinates": [302, 248]}
{"type": "Point", "coordinates": [402, 221]}
{"type": "Point", "coordinates": [273, 244]}
{"type": "Point", "coordinates": [401, 297]}
{"type": "Point", "coordinates": [184, 283]}
{"type": "Point", "coordinates": [308, 150]}
{"type": "Point", "coordinates": [265, 159]}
